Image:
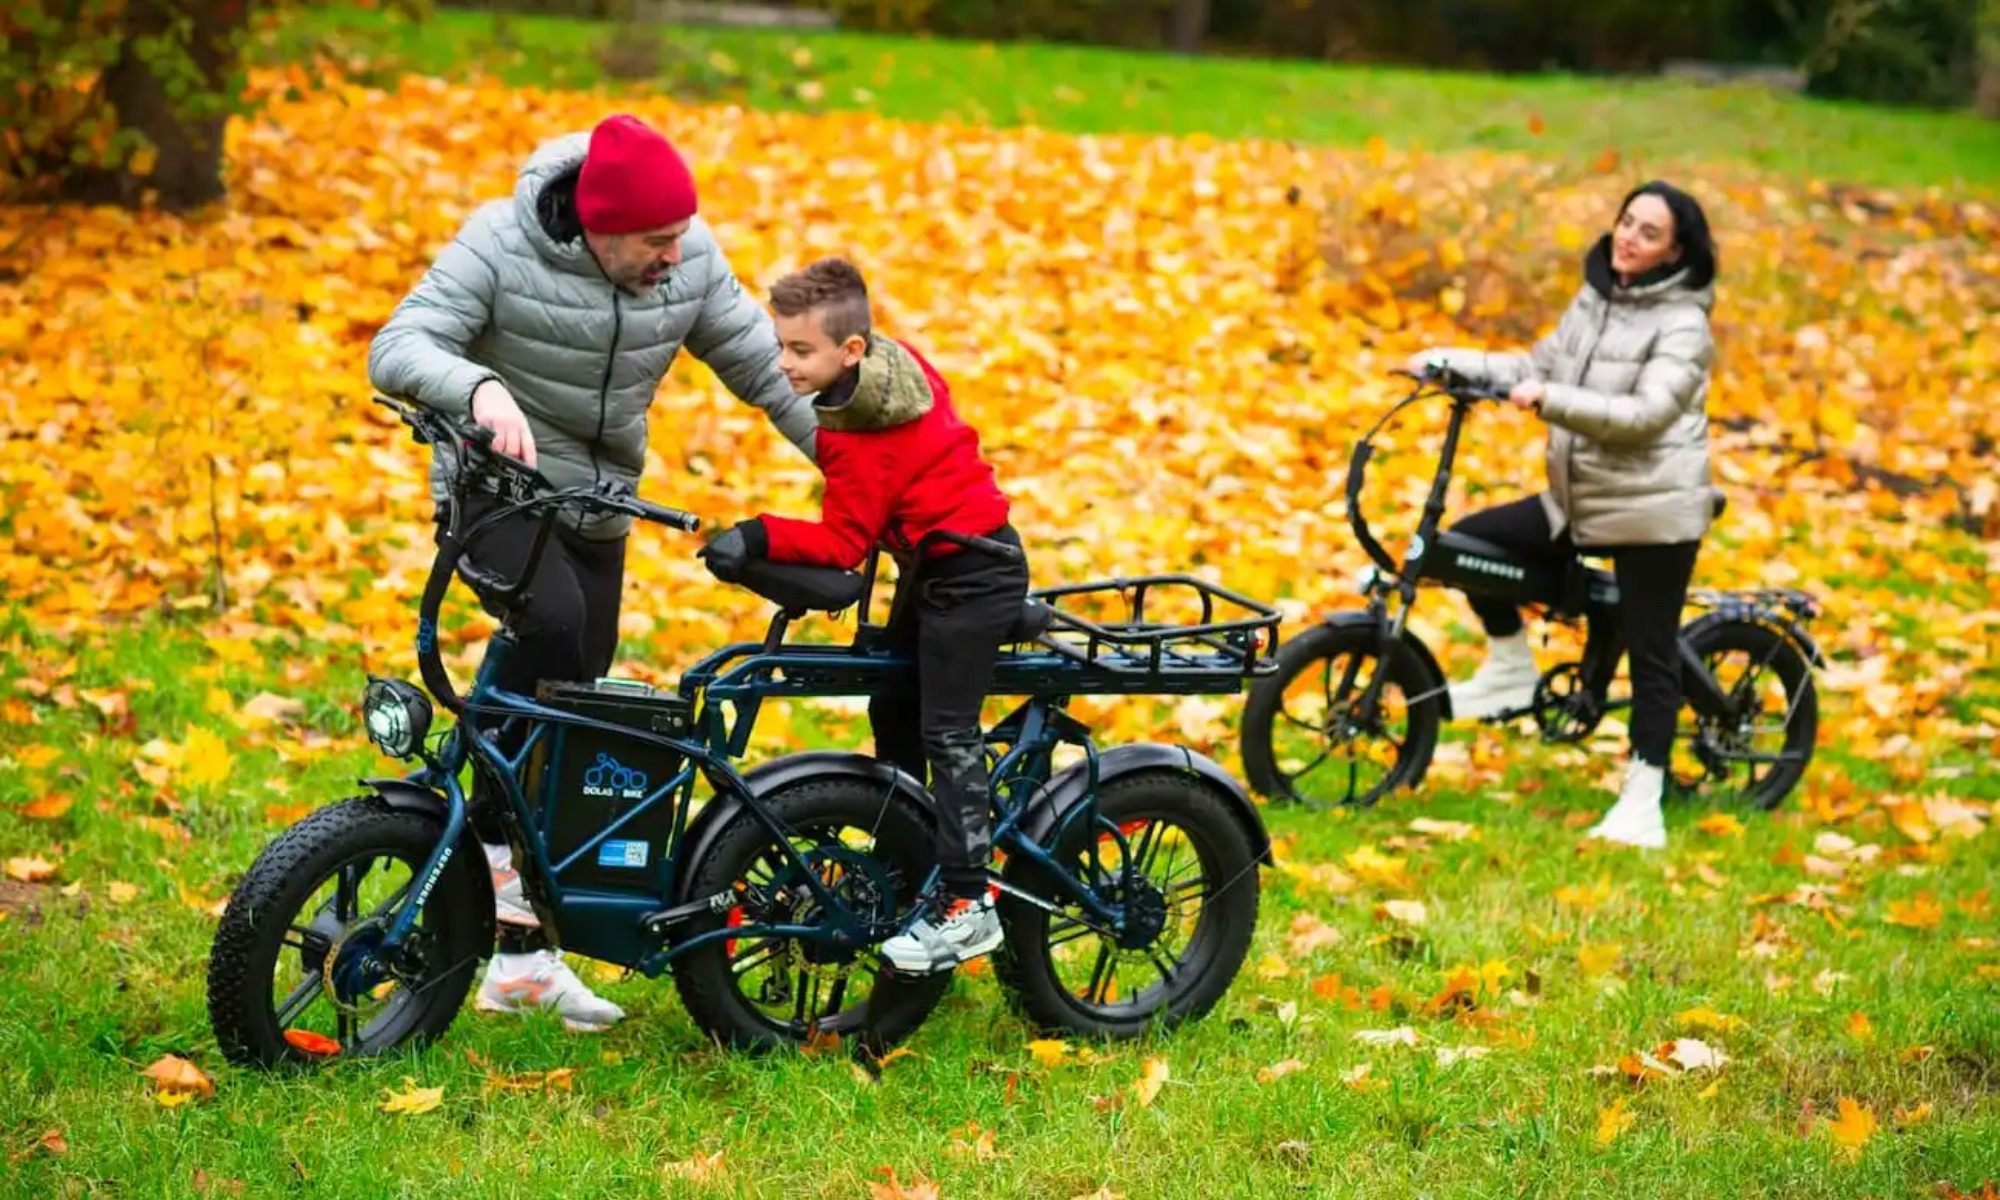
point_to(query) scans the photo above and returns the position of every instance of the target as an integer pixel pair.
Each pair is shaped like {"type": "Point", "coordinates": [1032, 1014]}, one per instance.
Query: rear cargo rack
{"type": "Point", "coordinates": [1229, 640]}
{"type": "Point", "coordinates": [1233, 638]}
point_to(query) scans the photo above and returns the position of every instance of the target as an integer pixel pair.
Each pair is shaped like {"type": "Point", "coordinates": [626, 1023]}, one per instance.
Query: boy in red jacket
{"type": "Point", "coordinates": [900, 463]}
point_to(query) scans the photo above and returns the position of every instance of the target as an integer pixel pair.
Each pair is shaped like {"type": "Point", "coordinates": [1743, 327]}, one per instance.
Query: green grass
{"type": "Point", "coordinates": [1079, 89]}
{"type": "Point", "coordinates": [96, 990]}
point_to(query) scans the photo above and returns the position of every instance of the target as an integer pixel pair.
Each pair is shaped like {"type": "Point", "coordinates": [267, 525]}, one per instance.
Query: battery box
{"type": "Point", "coordinates": [583, 779]}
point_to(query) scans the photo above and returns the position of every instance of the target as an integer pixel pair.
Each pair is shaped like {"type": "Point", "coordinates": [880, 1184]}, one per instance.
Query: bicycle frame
{"type": "Point", "coordinates": [1211, 656]}
{"type": "Point", "coordinates": [747, 673]}
{"type": "Point", "coordinates": [1589, 594]}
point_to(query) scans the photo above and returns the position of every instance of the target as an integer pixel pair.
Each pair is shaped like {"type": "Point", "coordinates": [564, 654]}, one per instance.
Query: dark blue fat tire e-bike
{"type": "Point", "coordinates": [1128, 878]}
{"type": "Point", "coordinates": [1353, 709]}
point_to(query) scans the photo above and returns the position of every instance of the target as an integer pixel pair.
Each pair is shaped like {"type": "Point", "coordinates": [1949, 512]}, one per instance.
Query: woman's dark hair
{"type": "Point", "coordinates": [1691, 232]}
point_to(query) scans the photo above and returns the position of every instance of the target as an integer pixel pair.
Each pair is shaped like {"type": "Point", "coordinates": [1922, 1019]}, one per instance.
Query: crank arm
{"type": "Point", "coordinates": [721, 902]}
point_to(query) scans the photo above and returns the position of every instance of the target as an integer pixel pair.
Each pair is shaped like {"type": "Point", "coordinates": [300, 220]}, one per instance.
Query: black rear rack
{"type": "Point", "coordinates": [1234, 636]}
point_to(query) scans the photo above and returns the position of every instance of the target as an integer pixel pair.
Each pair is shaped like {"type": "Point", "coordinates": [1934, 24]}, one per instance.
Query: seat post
{"type": "Point", "coordinates": [774, 634]}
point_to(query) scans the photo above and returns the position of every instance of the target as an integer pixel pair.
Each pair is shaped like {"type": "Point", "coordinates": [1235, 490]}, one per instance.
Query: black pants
{"type": "Point", "coordinates": [569, 632]}
{"type": "Point", "coordinates": [953, 620]}
{"type": "Point", "coordinates": [1652, 588]}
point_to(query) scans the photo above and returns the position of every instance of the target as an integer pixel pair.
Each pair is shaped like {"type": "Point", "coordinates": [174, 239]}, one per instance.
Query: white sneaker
{"type": "Point", "coordinates": [965, 930]}
{"type": "Point", "coordinates": [1636, 819]}
{"type": "Point", "coordinates": [1503, 683]}
{"type": "Point", "coordinates": [519, 983]}
{"type": "Point", "coordinates": [510, 906]}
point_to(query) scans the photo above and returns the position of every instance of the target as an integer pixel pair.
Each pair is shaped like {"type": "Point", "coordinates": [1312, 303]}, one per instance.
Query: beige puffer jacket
{"type": "Point", "coordinates": [1626, 371]}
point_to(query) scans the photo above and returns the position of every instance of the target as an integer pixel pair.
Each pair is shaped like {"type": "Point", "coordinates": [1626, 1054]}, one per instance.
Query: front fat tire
{"type": "Point", "coordinates": [290, 870]}
{"type": "Point", "coordinates": [1265, 708]}
{"type": "Point", "coordinates": [897, 1005]}
{"type": "Point", "coordinates": [1216, 952]}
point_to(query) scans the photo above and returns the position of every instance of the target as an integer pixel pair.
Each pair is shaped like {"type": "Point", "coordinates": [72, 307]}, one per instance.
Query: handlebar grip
{"type": "Point", "coordinates": [675, 518]}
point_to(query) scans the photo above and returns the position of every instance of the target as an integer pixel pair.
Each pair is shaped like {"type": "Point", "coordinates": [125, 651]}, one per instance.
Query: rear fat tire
{"type": "Point", "coordinates": [1265, 708]}
{"type": "Point", "coordinates": [1780, 654]}
{"type": "Point", "coordinates": [1214, 954]}
{"type": "Point", "coordinates": [250, 938]}
{"type": "Point", "coordinates": [898, 1004]}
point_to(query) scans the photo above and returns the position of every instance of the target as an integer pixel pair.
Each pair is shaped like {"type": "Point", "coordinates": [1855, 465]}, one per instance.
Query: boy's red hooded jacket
{"type": "Point", "coordinates": [898, 463]}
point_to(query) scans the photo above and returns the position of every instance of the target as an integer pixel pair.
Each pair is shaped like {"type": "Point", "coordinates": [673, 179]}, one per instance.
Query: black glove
{"type": "Point", "coordinates": [733, 549]}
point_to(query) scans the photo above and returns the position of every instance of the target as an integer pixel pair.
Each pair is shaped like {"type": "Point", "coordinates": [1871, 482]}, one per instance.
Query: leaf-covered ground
{"type": "Point", "coordinates": [1169, 345]}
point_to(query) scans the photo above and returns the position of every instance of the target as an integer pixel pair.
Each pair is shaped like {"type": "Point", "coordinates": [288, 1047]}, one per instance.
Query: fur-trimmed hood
{"type": "Point", "coordinates": [887, 388]}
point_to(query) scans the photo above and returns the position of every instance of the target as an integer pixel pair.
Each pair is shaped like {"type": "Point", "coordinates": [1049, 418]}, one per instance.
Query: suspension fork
{"type": "Point", "coordinates": [1388, 632]}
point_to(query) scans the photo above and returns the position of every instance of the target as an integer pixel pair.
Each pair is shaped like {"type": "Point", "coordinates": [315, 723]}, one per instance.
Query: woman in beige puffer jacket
{"type": "Point", "coordinates": [1622, 383]}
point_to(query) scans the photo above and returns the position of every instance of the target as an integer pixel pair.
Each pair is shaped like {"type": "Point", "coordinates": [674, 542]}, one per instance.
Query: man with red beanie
{"type": "Point", "coordinates": [551, 319]}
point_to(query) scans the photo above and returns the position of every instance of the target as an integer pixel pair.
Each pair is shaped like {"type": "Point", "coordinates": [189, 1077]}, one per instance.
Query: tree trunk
{"type": "Point", "coordinates": [185, 170]}
{"type": "Point", "coordinates": [1190, 26]}
{"type": "Point", "coordinates": [1987, 98]}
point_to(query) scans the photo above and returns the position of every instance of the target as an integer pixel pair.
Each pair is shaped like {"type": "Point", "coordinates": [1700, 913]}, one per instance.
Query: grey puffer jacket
{"type": "Point", "coordinates": [1626, 376]}
{"type": "Point", "coordinates": [511, 300]}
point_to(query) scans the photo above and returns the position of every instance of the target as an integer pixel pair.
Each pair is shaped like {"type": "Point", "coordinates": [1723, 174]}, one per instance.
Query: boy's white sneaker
{"type": "Point", "coordinates": [965, 930]}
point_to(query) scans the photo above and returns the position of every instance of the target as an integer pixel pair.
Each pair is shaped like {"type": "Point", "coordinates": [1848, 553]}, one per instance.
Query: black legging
{"type": "Point", "coordinates": [570, 632]}
{"type": "Point", "coordinates": [1652, 588]}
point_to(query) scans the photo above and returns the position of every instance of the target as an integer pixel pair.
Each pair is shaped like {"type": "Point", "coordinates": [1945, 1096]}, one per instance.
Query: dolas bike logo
{"type": "Point", "coordinates": [612, 779]}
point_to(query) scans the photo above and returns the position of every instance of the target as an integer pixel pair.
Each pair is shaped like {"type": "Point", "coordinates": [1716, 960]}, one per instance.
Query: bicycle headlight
{"type": "Point", "coordinates": [397, 715]}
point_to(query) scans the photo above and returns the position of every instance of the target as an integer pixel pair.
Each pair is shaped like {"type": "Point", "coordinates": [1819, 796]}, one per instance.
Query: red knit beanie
{"type": "Point", "coordinates": [632, 179]}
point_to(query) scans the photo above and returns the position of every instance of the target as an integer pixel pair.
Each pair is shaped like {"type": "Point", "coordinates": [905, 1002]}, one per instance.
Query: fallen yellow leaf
{"type": "Point", "coordinates": [30, 870]}
{"type": "Point", "coordinates": [1852, 1129]}
{"type": "Point", "coordinates": [1152, 1077]}
{"type": "Point", "coordinates": [412, 1099]}
{"type": "Point", "coordinates": [172, 1073]}
{"type": "Point", "coordinates": [1279, 1070]}
{"type": "Point", "coordinates": [1612, 1121]}
{"type": "Point", "coordinates": [1923, 912]}
{"type": "Point", "coordinates": [1599, 959]}
{"type": "Point", "coordinates": [1048, 1052]}
{"type": "Point", "coordinates": [1707, 1018]}
{"type": "Point", "coordinates": [1721, 825]}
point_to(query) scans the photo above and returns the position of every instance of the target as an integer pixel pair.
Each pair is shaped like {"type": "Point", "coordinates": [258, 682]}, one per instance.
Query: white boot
{"type": "Point", "coordinates": [1504, 682]}
{"type": "Point", "coordinates": [1636, 819]}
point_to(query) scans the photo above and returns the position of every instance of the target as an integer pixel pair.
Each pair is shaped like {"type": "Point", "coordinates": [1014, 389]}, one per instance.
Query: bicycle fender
{"type": "Point", "coordinates": [1411, 643]}
{"type": "Point", "coordinates": [404, 796]}
{"type": "Point", "coordinates": [1069, 787]}
{"type": "Point", "coordinates": [1792, 631]}
{"type": "Point", "coordinates": [769, 778]}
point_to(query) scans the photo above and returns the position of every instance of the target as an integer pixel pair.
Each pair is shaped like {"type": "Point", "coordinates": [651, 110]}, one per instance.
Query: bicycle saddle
{"type": "Point", "coordinates": [797, 587]}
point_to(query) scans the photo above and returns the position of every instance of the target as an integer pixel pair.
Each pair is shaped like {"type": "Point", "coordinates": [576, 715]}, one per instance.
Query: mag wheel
{"type": "Point", "coordinates": [298, 972]}
{"type": "Point", "coordinates": [1167, 852]}
{"type": "Point", "coordinates": [1758, 755]}
{"type": "Point", "coordinates": [873, 847]}
{"type": "Point", "coordinates": [1304, 737]}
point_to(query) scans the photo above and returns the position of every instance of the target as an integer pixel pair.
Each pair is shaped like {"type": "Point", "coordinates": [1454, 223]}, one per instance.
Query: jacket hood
{"type": "Point", "coordinates": [1666, 282]}
{"type": "Point", "coordinates": [888, 388]}
{"type": "Point", "coordinates": [554, 163]}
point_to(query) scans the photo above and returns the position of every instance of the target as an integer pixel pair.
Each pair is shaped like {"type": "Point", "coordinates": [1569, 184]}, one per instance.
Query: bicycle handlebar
{"type": "Point", "coordinates": [1464, 392]}
{"type": "Point", "coordinates": [520, 489]}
